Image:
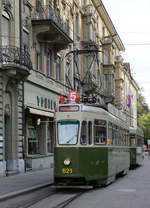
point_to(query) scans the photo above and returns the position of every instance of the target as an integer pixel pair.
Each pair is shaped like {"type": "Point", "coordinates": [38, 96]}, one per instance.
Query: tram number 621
{"type": "Point", "coordinates": [67, 170]}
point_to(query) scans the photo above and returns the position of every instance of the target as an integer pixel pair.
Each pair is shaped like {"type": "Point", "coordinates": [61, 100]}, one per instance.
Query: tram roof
{"type": "Point", "coordinates": [137, 131]}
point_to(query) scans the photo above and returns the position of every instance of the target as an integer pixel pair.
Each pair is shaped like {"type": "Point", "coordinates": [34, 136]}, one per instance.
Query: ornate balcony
{"type": "Point", "coordinates": [48, 27]}
{"type": "Point", "coordinates": [15, 62]}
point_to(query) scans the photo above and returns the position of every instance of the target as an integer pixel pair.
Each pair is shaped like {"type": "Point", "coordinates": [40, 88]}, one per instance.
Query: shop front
{"type": "Point", "coordinates": [40, 136]}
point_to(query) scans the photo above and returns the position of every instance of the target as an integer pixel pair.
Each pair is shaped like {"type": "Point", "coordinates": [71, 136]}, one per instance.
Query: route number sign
{"type": "Point", "coordinates": [72, 96]}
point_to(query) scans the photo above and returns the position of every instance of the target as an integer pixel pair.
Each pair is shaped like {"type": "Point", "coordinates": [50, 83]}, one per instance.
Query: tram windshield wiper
{"type": "Point", "coordinates": [68, 141]}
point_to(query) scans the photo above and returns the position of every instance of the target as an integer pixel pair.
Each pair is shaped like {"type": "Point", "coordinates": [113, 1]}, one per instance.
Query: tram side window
{"type": "Point", "coordinates": [113, 134]}
{"type": "Point", "coordinates": [83, 137]}
{"type": "Point", "coordinates": [117, 136]}
{"type": "Point", "coordinates": [100, 132]}
{"type": "Point", "coordinates": [132, 140]}
{"type": "Point", "coordinates": [139, 141]}
{"type": "Point", "coordinates": [110, 132]}
{"type": "Point", "coordinates": [121, 137]}
{"type": "Point", "coordinates": [127, 138]}
{"type": "Point", "coordinates": [90, 132]}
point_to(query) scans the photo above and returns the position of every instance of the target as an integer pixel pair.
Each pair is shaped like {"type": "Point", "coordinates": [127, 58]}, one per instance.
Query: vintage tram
{"type": "Point", "coordinates": [136, 147]}
{"type": "Point", "coordinates": [92, 146]}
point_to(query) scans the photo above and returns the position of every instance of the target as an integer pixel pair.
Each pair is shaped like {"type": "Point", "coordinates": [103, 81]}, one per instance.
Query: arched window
{"type": "Point", "coordinates": [5, 28]}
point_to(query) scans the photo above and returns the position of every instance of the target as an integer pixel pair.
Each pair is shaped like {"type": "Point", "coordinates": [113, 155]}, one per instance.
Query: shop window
{"type": "Point", "coordinates": [40, 137]}
{"type": "Point", "coordinates": [32, 140]}
{"type": "Point", "coordinates": [50, 137]}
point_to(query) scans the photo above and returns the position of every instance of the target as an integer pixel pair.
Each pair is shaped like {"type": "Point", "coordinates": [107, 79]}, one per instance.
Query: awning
{"type": "Point", "coordinates": [40, 112]}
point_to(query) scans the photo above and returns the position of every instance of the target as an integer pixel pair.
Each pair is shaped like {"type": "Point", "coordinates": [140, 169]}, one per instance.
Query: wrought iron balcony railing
{"type": "Point", "coordinates": [46, 12]}
{"type": "Point", "coordinates": [13, 55]}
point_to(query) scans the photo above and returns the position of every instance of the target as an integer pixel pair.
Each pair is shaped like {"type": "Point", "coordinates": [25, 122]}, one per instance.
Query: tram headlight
{"type": "Point", "coordinates": [67, 161]}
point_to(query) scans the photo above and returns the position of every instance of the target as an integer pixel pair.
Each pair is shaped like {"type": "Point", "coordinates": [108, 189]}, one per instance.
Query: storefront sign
{"type": "Point", "coordinates": [44, 102]}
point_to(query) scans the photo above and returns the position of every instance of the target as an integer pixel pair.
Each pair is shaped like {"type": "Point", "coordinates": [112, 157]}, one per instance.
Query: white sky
{"type": "Point", "coordinates": [131, 19]}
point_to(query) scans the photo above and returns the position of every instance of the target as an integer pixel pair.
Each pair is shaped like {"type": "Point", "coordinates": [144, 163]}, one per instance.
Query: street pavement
{"type": "Point", "coordinates": [24, 182]}
{"type": "Point", "coordinates": [130, 191]}
{"type": "Point", "coordinates": [136, 183]}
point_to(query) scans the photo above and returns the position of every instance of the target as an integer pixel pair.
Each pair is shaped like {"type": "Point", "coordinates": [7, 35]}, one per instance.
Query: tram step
{"type": "Point", "coordinates": [72, 187]}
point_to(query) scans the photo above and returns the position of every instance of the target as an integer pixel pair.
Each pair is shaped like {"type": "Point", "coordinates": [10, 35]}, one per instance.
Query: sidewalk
{"type": "Point", "coordinates": [20, 183]}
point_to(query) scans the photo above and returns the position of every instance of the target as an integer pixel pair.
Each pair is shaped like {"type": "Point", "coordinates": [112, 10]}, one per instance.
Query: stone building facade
{"type": "Point", "coordinates": [45, 50]}
{"type": "Point", "coordinates": [15, 66]}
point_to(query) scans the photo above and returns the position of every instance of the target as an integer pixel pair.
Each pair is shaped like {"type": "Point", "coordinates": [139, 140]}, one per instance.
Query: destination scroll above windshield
{"type": "Point", "coordinates": [69, 108]}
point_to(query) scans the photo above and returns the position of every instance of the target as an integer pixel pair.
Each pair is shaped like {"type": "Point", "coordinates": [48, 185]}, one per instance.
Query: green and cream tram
{"type": "Point", "coordinates": [136, 147]}
{"type": "Point", "coordinates": [92, 146]}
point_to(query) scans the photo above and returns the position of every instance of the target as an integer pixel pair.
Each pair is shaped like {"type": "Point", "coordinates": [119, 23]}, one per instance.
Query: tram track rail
{"type": "Point", "coordinates": [67, 202]}
{"type": "Point", "coordinates": [50, 197]}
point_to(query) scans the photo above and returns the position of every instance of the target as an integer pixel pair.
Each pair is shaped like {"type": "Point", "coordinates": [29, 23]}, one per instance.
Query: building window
{"type": "Point", "coordinates": [77, 28]}
{"type": "Point", "coordinates": [67, 27]}
{"type": "Point", "coordinates": [5, 28]}
{"type": "Point", "coordinates": [49, 65]}
{"type": "Point", "coordinates": [106, 76]}
{"type": "Point", "coordinates": [103, 31]}
{"type": "Point", "coordinates": [38, 5]}
{"type": "Point", "coordinates": [38, 57]}
{"type": "Point", "coordinates": [25, 40]}
{"type": "Point", "coordinates": [105, 56]}
{"type": "Point", "coordinates": [58, 68]}
{"type": "Point", "coordinates": [38, 61]}
{"type": "Point", "coordinates": [92, 36]}
{"type": "Point", "coordinates": [68, 73]}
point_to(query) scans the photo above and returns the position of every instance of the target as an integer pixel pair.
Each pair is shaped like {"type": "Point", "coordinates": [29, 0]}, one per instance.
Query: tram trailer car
{"type": "Point", "coordinates": [136, 147]}
{"type": "Point", "coordinates": [92, 146]}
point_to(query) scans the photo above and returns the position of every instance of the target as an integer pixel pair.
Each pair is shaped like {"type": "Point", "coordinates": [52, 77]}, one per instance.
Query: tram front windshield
{"type": "Point", "coordinates": [67, 132]}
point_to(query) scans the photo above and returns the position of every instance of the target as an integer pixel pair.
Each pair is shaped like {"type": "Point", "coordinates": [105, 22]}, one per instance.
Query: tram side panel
{"type": "Point", "coordinates": [118, 160]}
{"type": "Point", "coordinates": [139, 155]}
{"type": "Point", "coordinates": [94, 163]}
{"type": "Point", "coordinates": [132, 156]}
{"type": "Point", "coordinates": [136, 156]}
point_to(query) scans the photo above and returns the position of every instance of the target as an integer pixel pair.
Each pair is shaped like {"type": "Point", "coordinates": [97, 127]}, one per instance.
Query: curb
{"type": "Point", "coordinates": [23, 191]}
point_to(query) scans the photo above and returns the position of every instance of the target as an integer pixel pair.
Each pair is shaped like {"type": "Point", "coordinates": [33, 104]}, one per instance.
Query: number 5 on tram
{"type": "Point", "coordinates": [92, 146]}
